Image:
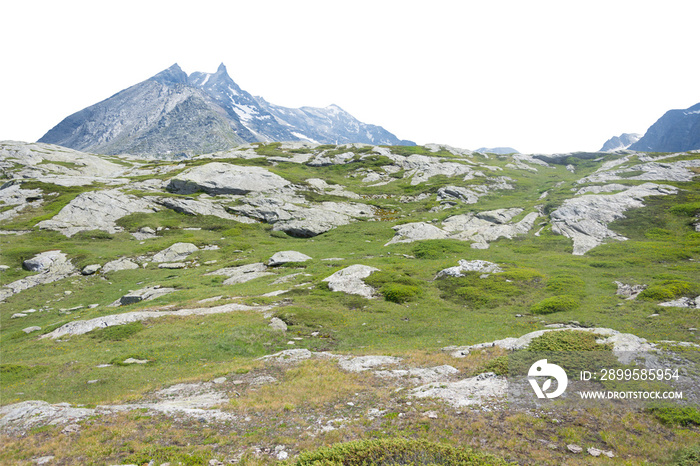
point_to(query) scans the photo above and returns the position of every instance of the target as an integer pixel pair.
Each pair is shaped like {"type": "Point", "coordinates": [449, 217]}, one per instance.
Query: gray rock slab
{"type": "Point", "coordinates": [224, 178]}
{"type": "Point", "coordinates": [242, 273]}
{"type": "Point", "coordinates": [119, 264]}
{"type": "Point", "coordinates": [465, 266]}
{"type": "Point", "coordinates": [284, 257]}
{"type": "Point", "coordinates": [350, 280]}
{"type": "Point", "coordinates": [585, 219]}
{"type": "Point", "coordinates": [175, 253]}
{"type": "Point", "coordinates": [97, 210]}
{"type": "Point", "coordinates": [80, 327]}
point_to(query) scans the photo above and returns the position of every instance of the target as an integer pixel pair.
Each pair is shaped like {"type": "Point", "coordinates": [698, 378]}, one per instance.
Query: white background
{"type": "Point", "coordinates": [539, 76]}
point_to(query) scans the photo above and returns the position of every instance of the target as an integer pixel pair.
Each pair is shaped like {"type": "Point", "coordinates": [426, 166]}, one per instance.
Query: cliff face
{"type": "Point", "coordinates": [676, 131]}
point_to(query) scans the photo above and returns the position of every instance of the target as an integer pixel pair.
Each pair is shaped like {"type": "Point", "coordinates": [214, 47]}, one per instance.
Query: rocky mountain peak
{"type": "Point", "coordinates": [172, 75]}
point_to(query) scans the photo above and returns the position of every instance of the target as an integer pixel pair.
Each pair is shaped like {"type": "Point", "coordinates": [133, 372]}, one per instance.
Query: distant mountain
{"type": "Point", "coordinates": [620, 142]}
{"type": "Point", "coordinates": [173, 113]}
{"type": "Point", "coordinates": [676, 131]}
{"type": "Point", "coordinates": [497, 150]}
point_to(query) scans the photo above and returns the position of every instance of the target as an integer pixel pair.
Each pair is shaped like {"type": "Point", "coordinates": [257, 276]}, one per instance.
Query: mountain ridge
{"type": "Point", "coordinates": [176, 113]}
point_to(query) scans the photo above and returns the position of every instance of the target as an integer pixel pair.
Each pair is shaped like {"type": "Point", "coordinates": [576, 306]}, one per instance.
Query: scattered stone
{"type": "Point", "coordinates": [71, 428]}
{"type": "Point", "coordinates": [144, 294]}
{"type": "Point", "coordinates": [278, 324]}
{"type": "Point", "coordinates": [629, 291]}
{"type": "Point", "coordinates": [431, 415]}
{"type": "Point", "coordinates": [175, 253]}
{"type": "Point", "coordinates": [29, 330]}
{"type": "Point", "coordinates": [242, 273]}
{"type": "Point", "coordinates": [284, 257]}
{"type": "Point", "coordinates": [573, 448]}
{"type": "Point", "coordinates": [219, 380]}
{"type": "Point", "coordinates": [44, 460]}
{"type": "Point", "coordinates": [135, 361]}
{"type": "Point", "coordinates": [349, 280]}
{"type": "Point", "coordinates": [119, 264]}
{"type": "Point", "coordinates": [683, 302]}
{"type": "Point", "coordinates": [172, 265]}
{"type": "Point", "coordinates": [469, 266]}
{"type": "Point", "coordinates": [18, 315]}
{"type": "Point", "coordinates": [594, 452]}
{"type": "Point", "coordinates": [90, 269]}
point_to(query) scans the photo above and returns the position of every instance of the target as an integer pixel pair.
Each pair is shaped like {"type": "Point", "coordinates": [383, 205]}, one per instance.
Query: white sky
{"type": "Point", "coordinates": [539, 76]}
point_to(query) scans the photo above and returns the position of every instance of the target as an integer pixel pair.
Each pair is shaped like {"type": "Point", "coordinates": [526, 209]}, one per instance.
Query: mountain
{"type": "Point", "coordinates": [620, 142]}
{"type": "Point", "coordinates": [497, 150]}
{"type": "Point", "coordinates": [173, 113]}
{"type": "Point", "coordinates": [675, 131]}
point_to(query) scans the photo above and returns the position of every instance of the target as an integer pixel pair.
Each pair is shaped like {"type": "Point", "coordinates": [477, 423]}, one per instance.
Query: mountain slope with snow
{"type": "Point", "coordinates": [173, 113]}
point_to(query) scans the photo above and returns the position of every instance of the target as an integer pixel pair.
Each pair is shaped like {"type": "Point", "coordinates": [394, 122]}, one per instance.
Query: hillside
{"type": "Point", "coordinates": [250, 304]}
{"type": "Point", "coordinates": [176, 114]}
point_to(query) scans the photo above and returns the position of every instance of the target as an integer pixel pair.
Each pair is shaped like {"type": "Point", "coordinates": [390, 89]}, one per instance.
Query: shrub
{"type": "Point", "coordinates": [688, 456]}
{"type": "Point", "coordinates": [690, 209]}
{"type": "Point", "coordinates": [567, 340]}
{"type": "Point", "coordinates": [391, 452]}
{"type": "Point", "coordinates": [523, 275]}
{"type": "Point", "coordinates": [676, 415]}
{"type": "Point", "coordinates": [498, 366]}
{"type": "Point", "coordinates": [555, 304]}
{"type": "Point", "coordinates": [670, 289]}
{"type": "Point", "coordinates": [398, 293]}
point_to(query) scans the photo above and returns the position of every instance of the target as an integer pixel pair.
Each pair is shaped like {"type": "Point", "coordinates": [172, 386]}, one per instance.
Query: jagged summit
{"type": "Point", "coordinates": [176, 113]}
{"type": "Point", "coordinates": [172, 75]}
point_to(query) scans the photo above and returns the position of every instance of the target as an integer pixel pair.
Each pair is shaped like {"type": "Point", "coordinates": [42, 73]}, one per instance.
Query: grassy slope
{"type": "Point", "coordinates": [663, 247]}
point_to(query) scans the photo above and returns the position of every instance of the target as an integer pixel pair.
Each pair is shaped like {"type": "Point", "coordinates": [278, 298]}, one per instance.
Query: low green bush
{"type": "Point", "coordinates": [567, 340]}
{"type": "Point", "coordinates": [394, 452]}
{"type": "Point", "coordinates": [674, 414]}
{"type": "Point", "coordinates": [555, 304]}
{"type": "Point", "coordinates": [688, 456]}
{"type": "Point", "coordinates": [670, 289]}
{"type": "Point", "coordinates": [399, 293]}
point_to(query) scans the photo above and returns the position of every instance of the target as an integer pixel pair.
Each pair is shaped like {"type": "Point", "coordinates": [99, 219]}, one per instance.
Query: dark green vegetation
{"type": "Point", "coordinates": [394, 452]}
{"type": "Point", "coordinates": [413, 315]}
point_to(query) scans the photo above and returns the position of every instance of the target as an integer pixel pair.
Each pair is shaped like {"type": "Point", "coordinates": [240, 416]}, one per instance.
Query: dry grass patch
{"type": "Point", "coordinates": [311, 384]}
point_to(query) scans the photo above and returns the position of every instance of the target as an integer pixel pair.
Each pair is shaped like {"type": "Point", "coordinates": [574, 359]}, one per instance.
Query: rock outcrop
{"type": "Point", "coordinates": [224, 178]}
{"type": "Point", "coordinates": [97, 210]}
{"type": "Point", "coordinates": [585, 219]}
{"type": "Point", "coordinates": [51, 265]}
{"type": "Point", "coordinates": [480, 229]}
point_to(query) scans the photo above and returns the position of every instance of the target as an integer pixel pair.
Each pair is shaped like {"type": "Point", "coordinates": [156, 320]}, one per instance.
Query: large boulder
{"type": "Point", "coordinates": [350, 280]}
{"type": "Point", "coordinates": [50, 265]}
{"type": "Point", "coordinates": [284, 257]}
{"type": "Point", "coordinates": [225, 178]}
{"type": "Point", "coordinates": [176, 252]}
